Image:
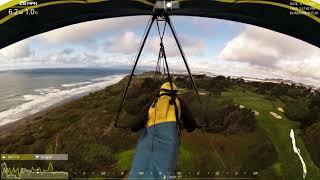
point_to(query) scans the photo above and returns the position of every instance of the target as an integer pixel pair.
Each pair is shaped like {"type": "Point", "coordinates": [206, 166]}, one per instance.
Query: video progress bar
{"type": "Point", "coordinates": [175, 178]}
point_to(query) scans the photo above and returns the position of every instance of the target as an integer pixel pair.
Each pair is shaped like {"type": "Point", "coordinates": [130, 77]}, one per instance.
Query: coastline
{"type": "Point", "coordinates": [58, 101]}
{"type": "Point", "coordinates": [33, 117]}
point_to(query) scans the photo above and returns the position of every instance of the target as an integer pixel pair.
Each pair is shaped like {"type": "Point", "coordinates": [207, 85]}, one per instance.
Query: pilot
{"type": "Point", "coordinates": [158, 146]}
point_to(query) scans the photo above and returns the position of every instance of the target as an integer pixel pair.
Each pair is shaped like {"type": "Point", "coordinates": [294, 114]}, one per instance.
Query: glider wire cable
{"type": "Point", "coordinates": [161, 58]}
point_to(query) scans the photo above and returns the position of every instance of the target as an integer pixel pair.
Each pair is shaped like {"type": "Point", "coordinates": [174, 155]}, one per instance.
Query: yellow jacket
{"type": "Point", "coordinates": [162, 111]}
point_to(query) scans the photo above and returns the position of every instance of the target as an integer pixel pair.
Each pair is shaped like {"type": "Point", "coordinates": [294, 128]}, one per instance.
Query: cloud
{"type": "Point", "coordinates": [254, 51]}
{"type": "Point", "coordinates": [264, 47]}
{"type": "Point", "coordinates": [306, 68]}
{"type": "Point", "coordinates": [191, 45]}
{"type": "Point", "coordinates": [126, 43]}
{"type": "Point", "coordinates": [306, 71]}
{"type": "Point", "coordinates": [69, 56]}
{"type": "Point", "coordinates": [274, 55]}
{"type": "Point", "coordinates": [68, 51]}
{"type": "Point", "coordinates": [18, 50]}
{"type": "Point", "coordinates": [86, 30]}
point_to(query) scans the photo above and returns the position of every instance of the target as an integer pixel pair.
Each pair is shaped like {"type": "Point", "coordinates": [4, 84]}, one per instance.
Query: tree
{"type": "Point", "coordinates": [315, 100]}
{"type": "Point", "coordinates": [294, 92]}
{"type": "Point", "coordinates": [312, 117]}
{"type": "Point", "coordinates": [240, 120]}
{"type": "Point", "coordinates": [279, 90]}
{"type": "Point", "coordinates": [296, 111]}
{"type": "Point", "coordinates": [150, 84]}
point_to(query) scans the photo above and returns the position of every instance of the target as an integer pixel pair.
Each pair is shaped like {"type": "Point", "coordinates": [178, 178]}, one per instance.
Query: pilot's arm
{"type": "Point", "coordinates": [187, 119]}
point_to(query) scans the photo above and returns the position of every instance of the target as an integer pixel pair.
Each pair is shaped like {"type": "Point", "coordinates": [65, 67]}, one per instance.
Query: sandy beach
{"type": "Point", "coordinates": [9, 127]}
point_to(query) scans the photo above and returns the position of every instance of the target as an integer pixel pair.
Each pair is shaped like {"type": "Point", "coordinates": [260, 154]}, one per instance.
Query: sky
{"type": "Point", "coordinates": [211, 45]}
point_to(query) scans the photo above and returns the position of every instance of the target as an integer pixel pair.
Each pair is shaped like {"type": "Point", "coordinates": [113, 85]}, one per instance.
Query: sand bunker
{"type": "Point", "coordinates": [241, 106]}
{"type": "Point", "coordinates": [275, 115]}
{"type": "Point", "coordinates": [280, 109]}
{"type": "Point", "coordinates": [256, 113]}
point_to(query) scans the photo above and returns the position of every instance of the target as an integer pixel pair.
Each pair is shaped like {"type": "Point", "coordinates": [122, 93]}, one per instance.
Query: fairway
{"type": "Point", "coordinates": [278, 131]}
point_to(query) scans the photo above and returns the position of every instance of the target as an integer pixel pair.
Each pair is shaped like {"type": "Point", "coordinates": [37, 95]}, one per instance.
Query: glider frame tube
{"type": "Point", "coordinates": [133, 70]}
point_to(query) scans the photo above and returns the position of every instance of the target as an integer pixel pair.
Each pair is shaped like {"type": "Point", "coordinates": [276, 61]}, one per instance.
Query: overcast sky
{"type": "Point", "coordinates": [211, 45]}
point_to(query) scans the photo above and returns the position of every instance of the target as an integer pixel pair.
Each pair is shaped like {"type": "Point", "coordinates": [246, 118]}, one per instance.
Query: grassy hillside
{"type": "Point", "coordinates": [84, 129]}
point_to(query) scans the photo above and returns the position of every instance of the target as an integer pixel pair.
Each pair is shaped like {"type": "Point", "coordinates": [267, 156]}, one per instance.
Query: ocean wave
{"type": "Point", "coordinates": [30, 97]}
{"type": "Point", "coordinates": [100, 79]}
{"type": "Point", "coordinates": [9, 97]}
{"type": "Point", "coordinates": [38, 103]}
{"type": "Point", "coordinates": [76, 84]}
{"type": "Point", "coordinates": [47, 90]}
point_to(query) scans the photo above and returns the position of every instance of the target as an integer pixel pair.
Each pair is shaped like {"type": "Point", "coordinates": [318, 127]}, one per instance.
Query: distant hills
{"type": "Point", "coordinates": [247, 78]}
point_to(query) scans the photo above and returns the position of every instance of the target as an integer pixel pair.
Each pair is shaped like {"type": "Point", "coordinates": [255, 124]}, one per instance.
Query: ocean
{"type": "Point", "coordinates": [26, 92]}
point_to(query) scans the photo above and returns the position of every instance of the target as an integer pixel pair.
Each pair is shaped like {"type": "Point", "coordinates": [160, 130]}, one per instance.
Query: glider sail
{"type": "Point", "coordinates": [22, 19]}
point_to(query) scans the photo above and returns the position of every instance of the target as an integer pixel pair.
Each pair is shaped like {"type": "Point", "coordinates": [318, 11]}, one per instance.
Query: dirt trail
{"type": "Point", "coordinates": [107, 130]}
{"type": "Point", "coordinates": [56, 144]}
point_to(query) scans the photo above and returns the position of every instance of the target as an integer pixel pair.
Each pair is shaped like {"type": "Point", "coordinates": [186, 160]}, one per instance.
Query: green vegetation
{"type": "Point", "coordinates": [185, 158]}
{"type": "Point", "coordinates": [242, 135]}
{"type": "Point", "coordinates": [124, 160]}
{"type": "Point", "coordinates": [312, 141]}
{"type": "Point", "coordinates": [91, 152]}
{"type": "Point", "coordinates": [27, 140]}
{"type": "Point", "coordinates": [49, 149]}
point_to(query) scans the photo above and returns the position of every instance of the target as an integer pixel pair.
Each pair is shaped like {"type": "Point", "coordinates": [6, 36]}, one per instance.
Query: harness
{"type": "Point", "coordinates": [177, 111]}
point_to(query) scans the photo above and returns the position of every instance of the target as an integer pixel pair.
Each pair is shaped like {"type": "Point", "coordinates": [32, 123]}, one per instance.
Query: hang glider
{"type": "Point", "coordinates": [22, 19]}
